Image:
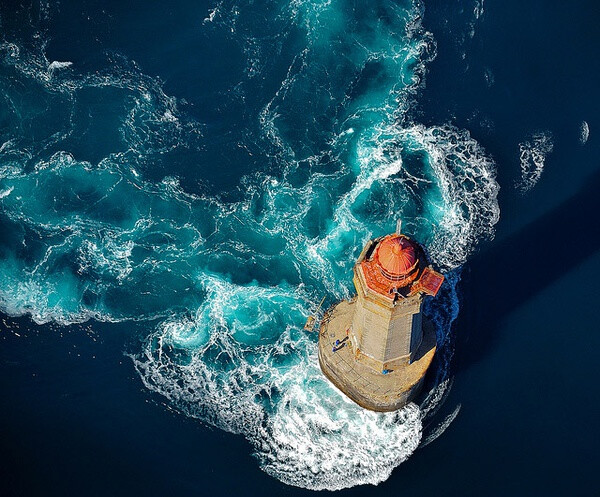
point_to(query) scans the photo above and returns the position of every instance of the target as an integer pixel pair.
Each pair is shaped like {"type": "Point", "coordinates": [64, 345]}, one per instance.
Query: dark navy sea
{"type": "Point", "coordinates": [180, 183]}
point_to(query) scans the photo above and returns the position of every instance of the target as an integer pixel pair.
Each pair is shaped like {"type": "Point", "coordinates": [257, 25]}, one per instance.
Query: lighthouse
{"type": "Point", "coordinates": [377, 347]}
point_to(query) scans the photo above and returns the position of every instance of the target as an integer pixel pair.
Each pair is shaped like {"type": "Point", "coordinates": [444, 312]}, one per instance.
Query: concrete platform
{"type": "Point", "coordinates": [365, 386]}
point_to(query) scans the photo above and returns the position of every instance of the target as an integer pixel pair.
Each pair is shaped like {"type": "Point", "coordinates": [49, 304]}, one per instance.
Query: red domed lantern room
{"type": "Point", "coordinates": [395, 264]}
{"type": "Point", "coordinates": [397, 257]}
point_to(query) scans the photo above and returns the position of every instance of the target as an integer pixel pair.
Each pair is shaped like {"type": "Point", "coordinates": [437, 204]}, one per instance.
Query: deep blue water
{"type": "Point", "coordinates": [180, 184]}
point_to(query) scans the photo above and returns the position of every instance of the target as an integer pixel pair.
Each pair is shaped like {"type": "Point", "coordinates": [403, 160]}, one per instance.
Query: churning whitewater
{"type": "Point", "coordinates": [225, 279]}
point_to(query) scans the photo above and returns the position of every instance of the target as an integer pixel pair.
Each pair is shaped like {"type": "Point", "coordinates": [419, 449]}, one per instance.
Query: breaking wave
{"type": "Point", "coordinates": [230, 277]}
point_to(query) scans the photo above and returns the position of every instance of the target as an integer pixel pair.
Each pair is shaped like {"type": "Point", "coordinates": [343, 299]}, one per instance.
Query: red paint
{"type": "Point", "coordinates": [396, 255]}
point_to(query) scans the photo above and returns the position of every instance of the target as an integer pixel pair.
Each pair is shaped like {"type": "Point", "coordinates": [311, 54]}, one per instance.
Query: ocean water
{"type": "Point", "coordinates": [180, 185]}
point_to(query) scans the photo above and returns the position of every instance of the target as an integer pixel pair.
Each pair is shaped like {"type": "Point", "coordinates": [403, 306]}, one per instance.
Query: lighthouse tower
{"type": "Point", "coordinates": [377, 347]}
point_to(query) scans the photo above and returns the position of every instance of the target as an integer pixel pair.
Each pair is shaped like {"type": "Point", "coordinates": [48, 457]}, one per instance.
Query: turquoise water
{"type": "Point", "coordinates": [206, 186]}
{"type": "Point", "coordinates": [327, 157]}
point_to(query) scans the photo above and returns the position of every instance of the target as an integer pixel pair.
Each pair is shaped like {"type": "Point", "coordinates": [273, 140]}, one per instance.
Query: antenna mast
{"type": "Point", "coordinates": [399, 226]}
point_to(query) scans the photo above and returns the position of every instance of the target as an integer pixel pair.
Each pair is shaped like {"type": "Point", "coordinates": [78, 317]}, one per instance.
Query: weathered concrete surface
{"type": "Point", "coordinates": [364, 385]}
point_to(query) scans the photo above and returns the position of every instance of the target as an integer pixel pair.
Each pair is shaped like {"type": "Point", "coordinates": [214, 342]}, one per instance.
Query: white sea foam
{"type": "Point", "coordinates": [490, 79]}
{"type": "Point", "coordinates": [584, 132]}
{"type": "Point", "coordinates": [467, 182]}
{"type": "Point", "coordinates": [478, 9]}
{"type": "Point", "coordinates": [6, 145]}
{"type": "Point", "coordinates": [6, 193]}
{"type": "Point", "coordinates": [293, 416]}
{"type": "Point", "coordinates": [312, 448]}
{"type": "Point", "coordinates": [442, 427]}
{"type": "Point", "coordinates": [532, 154]}
{"type": "Point", "coordinates": [212, 13]}
{"type": "Point", "coordinates": [56, 66]}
